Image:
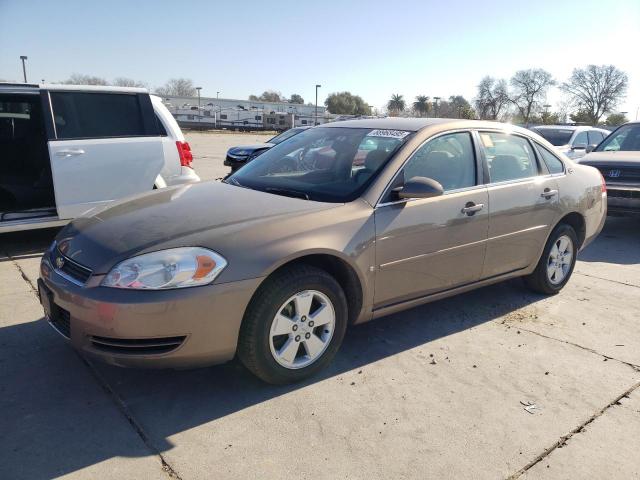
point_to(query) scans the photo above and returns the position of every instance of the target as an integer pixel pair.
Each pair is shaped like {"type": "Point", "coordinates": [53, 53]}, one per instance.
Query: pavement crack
{"type": "Point", "coordinates": [577, 345]}
{"type": "Point", "coordinates": [607, 280]}
{"type": "Point", "coordinates": [124, 410]}
{"type": "Point", "coordinates": [565, 438]}
{"type": "Point", "coordinates": [22, 273]}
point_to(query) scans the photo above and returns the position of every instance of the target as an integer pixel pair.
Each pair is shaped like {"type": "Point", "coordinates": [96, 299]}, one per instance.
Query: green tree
{"type": "Point", "coordinates": [596, 89]}
{"type": "Point", "coordinates": [456, 107]}
{"type": "Point", "coordinates": [344, 103]}
{"type": "Point", "coordinates": [581, 116]}
{"type": "Point", "coordinates": [422, 105]}
{"type": "Point", "coordinates": [396, 104]}
{"type": "Point", "coordinates": [616, 119]}
{"type": "Point", "coordinates": [295, 98]}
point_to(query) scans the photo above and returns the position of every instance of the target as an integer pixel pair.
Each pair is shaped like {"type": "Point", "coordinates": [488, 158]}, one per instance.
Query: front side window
{"type": "Point", "coordinates": [448, 159]}
{"type": "Point", "coordinates": [595, 137]}
{"type": "Point", "coordinates": [509, 157]}
{"type": "Point", "coordinates": [329, 164]}
{"type": "Point", "coordinates": [554, 164]}
{"type": "Point", "coordinates": [96, 115]}
{"type": "Point", "coordinates": [625, 138]}
{"type": "Point", "coordinates": [581, 139]}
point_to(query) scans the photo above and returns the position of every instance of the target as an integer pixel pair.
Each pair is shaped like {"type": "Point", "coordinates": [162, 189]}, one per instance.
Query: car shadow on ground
{"type": "Point", "coordinates": [36, 366]}
{"type": "Point", "coordinates": [619, 243]}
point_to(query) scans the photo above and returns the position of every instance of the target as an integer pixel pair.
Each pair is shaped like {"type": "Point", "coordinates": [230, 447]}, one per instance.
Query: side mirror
{"type": "Point", "coordinates": [579, 146]}
{"type": "Point", "coordinates": [591, 148]}
{"type": "Point", "coordinates": [420, 187]}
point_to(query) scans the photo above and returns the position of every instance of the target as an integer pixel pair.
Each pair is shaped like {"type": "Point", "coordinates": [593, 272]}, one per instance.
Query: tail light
{"type": "Point", "coordinates": [604, 184]}
{"type": "Point", "coordinates": [184, 152]}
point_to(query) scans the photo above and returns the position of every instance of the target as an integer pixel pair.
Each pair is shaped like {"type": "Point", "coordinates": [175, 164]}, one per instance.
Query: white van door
{"type": "Point", "coordinates": [106, 147]}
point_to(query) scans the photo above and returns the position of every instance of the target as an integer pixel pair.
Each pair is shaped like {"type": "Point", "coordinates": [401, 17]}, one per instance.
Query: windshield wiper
{"type": "Point", "coordinates": [287, 193]}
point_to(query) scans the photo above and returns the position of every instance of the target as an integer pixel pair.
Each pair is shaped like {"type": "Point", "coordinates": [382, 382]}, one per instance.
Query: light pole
{"type": "Point", "coordinates": [24, 69]}
{"type": "Point", "coordinates": [199, 111]}
{"type": "Point", "coordinates": [217, 93]}
{"type": "Point", "coordinates": [435, 107]}
{"type": "Point", "coordinates": [316, 115]}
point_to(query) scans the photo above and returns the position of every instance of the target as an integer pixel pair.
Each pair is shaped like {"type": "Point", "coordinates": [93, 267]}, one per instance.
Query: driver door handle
{"type": "Point", "coordinates": [549, 193]}
{"type": "Point", "coordinates": [471, 208]}
{"type": "Point", "coordinates": [69, 152]}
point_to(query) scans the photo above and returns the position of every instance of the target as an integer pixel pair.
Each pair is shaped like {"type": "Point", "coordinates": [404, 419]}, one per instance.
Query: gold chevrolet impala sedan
{"type": "Point", "coordinates": [338, 225]}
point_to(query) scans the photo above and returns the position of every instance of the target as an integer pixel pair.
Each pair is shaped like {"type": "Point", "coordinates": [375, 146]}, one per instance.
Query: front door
{"type": "Point", "coordinates": [523, 203]}
{"type": "Point", "coordinates": [424, 246]}
{"type": "Point", "coordinates": [105, 148]}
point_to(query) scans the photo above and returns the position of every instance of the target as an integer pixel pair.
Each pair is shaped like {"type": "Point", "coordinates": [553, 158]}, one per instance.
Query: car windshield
{"type": "Point", "coordinates": [555, 136]}
{"type": "Point", "coordinates": [284, 135]}
{"type": "Point", "coordinates": [329, 164]}
{"type": "Point", "coordinates": [625, 138]}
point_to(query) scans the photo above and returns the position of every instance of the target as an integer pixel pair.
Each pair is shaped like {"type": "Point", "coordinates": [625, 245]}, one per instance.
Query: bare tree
{"type": "Point", "coordinates": [80, 79]}
{"type": "Point", "coordinates": [128, 82]}
{"type": "Point", "coordinates": [596, 89]}
{"type": "Point", "coordinates": [177, 87]}
{"type": "Point", "coordinates": [530, 90]}
{"type": "Point", "coordinates": [493, 98]}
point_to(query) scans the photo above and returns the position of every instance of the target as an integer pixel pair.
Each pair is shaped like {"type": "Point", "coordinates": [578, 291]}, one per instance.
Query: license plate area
{"type": "Point", "coordinates": [56, 316]}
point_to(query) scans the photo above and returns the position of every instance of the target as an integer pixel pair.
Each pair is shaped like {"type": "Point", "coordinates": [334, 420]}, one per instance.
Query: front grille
{"type": "Point", "coordinates": [60, 319]}
{"type": "Point", "coordinates": [73, 269]}
{"type": "Point", "coordinates": [137, 346]}
{"type": "Point", "coordinates": [620, 174]}
{"type": "Point", "coordinates": [634, 194]}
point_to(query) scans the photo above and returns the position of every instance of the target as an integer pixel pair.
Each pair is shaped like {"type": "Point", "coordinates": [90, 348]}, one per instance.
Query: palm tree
{"type": "Point", "coordinates": [396, 104]}
{"type": "Point", "coordinates": [421, 105]}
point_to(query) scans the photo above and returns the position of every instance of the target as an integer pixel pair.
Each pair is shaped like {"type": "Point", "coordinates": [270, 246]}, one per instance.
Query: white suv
{"type": "Point", "coordinates": [67, 149]}
{"type": "Point", "coordinates": [573, 141]}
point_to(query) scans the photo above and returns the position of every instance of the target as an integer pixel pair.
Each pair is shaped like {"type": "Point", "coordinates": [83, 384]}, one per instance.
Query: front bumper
{"type": "Point", "coordinates": [178, 328]}
{"type": "Point", "coordinates": [623, 201]}
{"type": "Point", "coordinates": [235, 161]}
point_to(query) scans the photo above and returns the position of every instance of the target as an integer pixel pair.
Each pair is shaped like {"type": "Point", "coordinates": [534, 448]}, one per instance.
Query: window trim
{"type": "Point", "coordinates": [479, 172]}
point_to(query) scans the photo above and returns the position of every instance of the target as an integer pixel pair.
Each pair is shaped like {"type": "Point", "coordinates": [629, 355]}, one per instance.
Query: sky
{"type": "Point", "coordinates": [371, 48]}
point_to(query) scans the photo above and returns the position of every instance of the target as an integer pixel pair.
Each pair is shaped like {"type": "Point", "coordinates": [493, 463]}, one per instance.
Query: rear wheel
{"type": "Point", "coordinates": [556, 263]}
{"type": "Point", "coordinates": [294, 326]}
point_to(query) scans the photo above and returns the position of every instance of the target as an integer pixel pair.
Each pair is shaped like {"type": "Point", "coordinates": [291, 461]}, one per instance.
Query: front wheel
{"type": "Point", "coordinates": [556, 263]}
{"type": "Point", "coordinates": [294, 326]}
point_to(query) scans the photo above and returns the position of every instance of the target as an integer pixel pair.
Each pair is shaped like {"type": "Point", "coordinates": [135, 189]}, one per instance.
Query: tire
{"type": "Point", "coordinates": [541, 280]}
{"type": "Point", "coordinates": [266, 351]}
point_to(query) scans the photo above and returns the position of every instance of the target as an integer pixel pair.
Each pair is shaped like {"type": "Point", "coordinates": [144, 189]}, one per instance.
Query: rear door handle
{"type": "Point", "coordinates": [69, 153]}
{"type": "Point", "coordinates": [549, 193]}
{"type": "Point", "coordinates": [471, 208]}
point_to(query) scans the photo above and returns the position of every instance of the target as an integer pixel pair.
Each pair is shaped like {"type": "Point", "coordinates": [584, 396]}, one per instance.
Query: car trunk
{"type": "Point", "coordinates": [26, 185]}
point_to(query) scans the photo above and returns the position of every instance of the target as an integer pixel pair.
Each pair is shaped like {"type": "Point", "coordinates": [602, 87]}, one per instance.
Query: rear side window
{"type": "Point", "coordinates": [96, 115]}
{"type": "Point", "coordinates": [161, 130]}
{"type": "Point", "coordinates": [581, 139]}
{"type": "Point", "coordinates": [509, 157]}
{"type": "Point", "coordinates": [553, 163]}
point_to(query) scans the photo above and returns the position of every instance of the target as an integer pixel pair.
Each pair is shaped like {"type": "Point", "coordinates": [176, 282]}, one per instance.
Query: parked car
{"type": "Point", "coordinates": [276, 276]}
{"type": "Point", "coordinates": [618, 159]}
{"type": "Point", "coordinates": [240, 156]}
{"type": "Point", "coordinates": [571, 140]}
{"type": "Point", "coordinates": [66, 149]}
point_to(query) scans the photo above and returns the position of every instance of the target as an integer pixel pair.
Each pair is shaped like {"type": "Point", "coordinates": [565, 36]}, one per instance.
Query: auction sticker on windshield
{"type": "Point", "coordinates": [388, 133]}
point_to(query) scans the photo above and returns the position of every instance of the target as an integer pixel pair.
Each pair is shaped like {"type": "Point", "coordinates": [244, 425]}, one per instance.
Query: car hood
{"type": "Point", "coordinates": [611, 158]}
{"type": "Point", "coordinates": [206, 214]}
{"type": "Point", "coordinates": [249, 149]}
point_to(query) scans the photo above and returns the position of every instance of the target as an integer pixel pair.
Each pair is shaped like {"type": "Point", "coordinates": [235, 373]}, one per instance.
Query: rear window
{"type": "Point", "coordinates": [555, 136]}
{"type": "Point", "coordinates": [96, 115]}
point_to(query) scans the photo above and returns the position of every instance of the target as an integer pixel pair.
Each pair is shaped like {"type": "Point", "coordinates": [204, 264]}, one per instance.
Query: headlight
{"type": "Point", "coordinates": [243, 152]}
{"type": "Point", "coordinates": [172, 268]}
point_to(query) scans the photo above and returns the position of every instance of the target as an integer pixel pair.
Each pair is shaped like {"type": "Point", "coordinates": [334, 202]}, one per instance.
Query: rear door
{"type": "Point", "coordinates": [106, 146]}
{"type": "Point", "coordinates": [523, 203]}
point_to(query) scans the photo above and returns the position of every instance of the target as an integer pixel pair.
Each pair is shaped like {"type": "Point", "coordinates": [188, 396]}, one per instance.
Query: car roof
{"type": "Point", "coordinates": [64, 87]}
{"type": "Point", "coordinates": [568, 127]}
